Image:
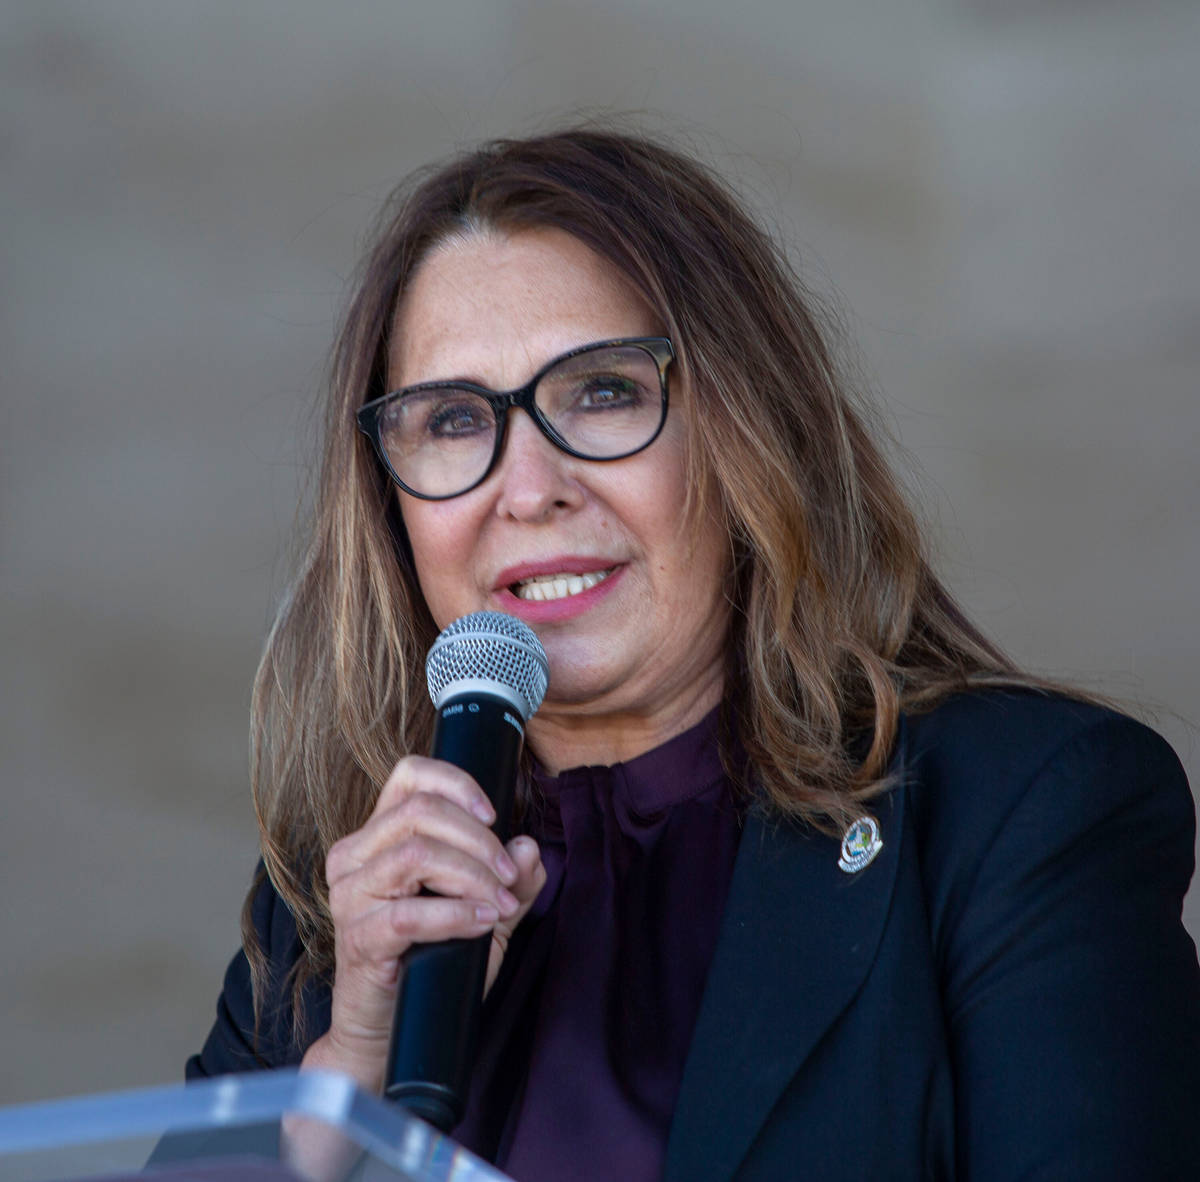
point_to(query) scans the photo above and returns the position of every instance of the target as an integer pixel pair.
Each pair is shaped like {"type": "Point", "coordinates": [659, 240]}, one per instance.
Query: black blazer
{"type": "Point", "coordinates": [1006, 991]}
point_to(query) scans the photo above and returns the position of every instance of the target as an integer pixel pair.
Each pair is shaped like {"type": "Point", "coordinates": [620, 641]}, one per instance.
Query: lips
{"type": "Point", "coordinates": [555, 589]}
{"type": "Point", "coordinates": [561, 585]}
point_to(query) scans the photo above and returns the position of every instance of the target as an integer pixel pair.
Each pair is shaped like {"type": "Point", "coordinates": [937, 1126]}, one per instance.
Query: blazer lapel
{"type": "Point", "coordinates": [798, 936]}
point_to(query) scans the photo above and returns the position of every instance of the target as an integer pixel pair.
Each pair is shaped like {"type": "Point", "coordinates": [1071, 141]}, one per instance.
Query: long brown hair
{"type": "Point", "coordinates": [839, 622]}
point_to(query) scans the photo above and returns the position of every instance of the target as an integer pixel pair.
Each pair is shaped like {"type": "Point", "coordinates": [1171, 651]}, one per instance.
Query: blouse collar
{"type": "Point", "coordinates": [681, 768]}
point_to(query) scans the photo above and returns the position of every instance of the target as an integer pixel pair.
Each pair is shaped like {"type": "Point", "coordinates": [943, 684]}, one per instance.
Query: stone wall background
{"type": "Point", "coordinates": [1002, 195]}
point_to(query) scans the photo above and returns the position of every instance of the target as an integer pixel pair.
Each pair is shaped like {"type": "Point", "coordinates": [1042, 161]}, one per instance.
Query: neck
{"type": "Point", "coordinates": [578, 736]}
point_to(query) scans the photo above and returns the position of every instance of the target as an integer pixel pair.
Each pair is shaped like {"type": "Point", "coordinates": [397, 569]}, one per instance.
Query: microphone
{"type": "Point", "coordinates": [487, 674]}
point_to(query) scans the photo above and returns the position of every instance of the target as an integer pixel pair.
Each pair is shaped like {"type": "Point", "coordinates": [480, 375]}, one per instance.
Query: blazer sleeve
{"type": "Point", "coordinates": [234, 1044]}
{"type": "Point", "coordinates": [1072, 990]}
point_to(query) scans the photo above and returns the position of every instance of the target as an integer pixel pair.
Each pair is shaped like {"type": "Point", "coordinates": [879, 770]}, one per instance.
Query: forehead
{"type": "Point", "coordinates": [496, 306]}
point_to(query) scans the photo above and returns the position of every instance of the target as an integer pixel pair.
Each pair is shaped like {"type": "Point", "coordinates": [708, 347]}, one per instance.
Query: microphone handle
{"type": "Point", "coordinates": [433, 1040]}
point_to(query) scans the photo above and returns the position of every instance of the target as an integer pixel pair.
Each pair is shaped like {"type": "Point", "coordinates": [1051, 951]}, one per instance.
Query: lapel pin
{"type": "Point", "coordinates": [860, 843]}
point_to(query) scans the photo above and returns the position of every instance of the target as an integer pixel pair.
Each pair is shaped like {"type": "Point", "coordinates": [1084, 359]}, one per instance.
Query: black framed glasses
{"type": "Point", "coordinates": [602, 401]}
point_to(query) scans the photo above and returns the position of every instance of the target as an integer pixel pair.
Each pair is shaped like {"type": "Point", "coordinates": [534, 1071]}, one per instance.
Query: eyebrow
{"type": "Point", "coordinates": [460, 379]}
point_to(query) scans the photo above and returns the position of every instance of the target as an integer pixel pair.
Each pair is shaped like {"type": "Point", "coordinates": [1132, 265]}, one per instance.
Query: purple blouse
{"type": "Point", "coordinates": [586, 1030]}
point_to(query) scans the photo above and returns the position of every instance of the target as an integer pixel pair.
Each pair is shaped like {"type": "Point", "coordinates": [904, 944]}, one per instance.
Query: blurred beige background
{"type": "Point", "coordinates": [1004, 195]}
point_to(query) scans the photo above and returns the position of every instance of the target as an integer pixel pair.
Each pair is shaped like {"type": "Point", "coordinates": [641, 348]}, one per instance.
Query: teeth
{"type": "Point", "coordinates": [558, 586]}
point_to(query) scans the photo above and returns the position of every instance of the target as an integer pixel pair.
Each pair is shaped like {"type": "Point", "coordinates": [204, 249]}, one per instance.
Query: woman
{"type": "Point", "coordinates": [811, 880]}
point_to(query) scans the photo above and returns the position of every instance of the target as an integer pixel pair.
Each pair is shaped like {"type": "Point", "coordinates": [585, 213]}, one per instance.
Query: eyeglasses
{"type": "Point", "coordinates": [603, 401]}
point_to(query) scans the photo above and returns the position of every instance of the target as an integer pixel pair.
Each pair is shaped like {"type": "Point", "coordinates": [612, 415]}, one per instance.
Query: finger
{"type": "Point", "coordinates": [419, 813]}
{"type": "Point", "coordinates": [531, 873]}
{"type": "Point", "coordinates": [381, 936]}
{"type": "Point", "coordinates": [369, 949]}
{"type": "Point", "coordinates": [531, 877]}
{"type": "Point", "coordinates": [419, 861]}
{"type": "Point", "coordinates": [431, 917]}
{"type": "Point", "coordinates": [419, 773]}
{"type": "Point", "coordinates": [432, 816]}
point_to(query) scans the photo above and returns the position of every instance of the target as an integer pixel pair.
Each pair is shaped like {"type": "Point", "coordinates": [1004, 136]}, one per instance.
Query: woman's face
{"type": "Point", "coordinates": [636, 647]}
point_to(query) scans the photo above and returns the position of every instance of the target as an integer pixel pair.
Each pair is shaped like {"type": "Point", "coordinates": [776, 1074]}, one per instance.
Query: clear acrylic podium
{"type": "Point", "coordinates": [228, 1130]}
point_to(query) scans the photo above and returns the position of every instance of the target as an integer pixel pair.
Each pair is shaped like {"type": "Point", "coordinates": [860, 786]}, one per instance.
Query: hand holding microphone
{"type": "Point", "coordinates": [487, 674]}
{"type": "Point", "coordinates": [431, 831]}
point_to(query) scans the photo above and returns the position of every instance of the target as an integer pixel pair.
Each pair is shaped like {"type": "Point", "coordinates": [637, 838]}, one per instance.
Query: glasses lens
{"type": "Point", "coordinates": [605, 402]}
{"type": "Point", "coordinates": [438, 441]}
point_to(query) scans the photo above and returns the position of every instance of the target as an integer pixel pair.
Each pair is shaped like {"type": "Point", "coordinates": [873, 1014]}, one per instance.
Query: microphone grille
{"type": "Point", "coordinates": [489, 651]}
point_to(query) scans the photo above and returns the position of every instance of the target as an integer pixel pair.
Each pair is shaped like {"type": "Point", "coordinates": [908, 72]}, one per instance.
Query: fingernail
{"type": "Point", "coordinates": [486, 913]}
{"type": "Point", "coordinates": [507, 900]}
{"type": "Point", "coordinates": [506, 867]}
{"type": "Point", "coordinates": [484, 811]}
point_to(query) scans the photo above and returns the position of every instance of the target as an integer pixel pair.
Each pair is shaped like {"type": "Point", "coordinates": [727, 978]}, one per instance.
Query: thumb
{"type": "Point", "coordinates": [531, 877]}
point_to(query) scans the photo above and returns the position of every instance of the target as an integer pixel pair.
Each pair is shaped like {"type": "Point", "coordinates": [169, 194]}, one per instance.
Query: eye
{"type": "Point", "coordinates": [608, 392]}
{"type": "Point", "coordinates": [426, 416]}
{"type": "Point", "coordinates": [449, 419]}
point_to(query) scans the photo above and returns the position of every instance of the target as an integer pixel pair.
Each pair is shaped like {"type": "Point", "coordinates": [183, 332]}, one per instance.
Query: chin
{"type": "Point", "coordinates": [574, 685]}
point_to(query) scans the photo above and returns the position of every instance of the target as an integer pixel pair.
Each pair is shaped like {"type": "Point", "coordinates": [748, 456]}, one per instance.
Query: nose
{"type": "Point", "coordinates": [534, 479]}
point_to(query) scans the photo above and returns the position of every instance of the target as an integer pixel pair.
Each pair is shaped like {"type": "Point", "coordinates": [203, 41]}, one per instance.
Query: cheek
{"type": "Point", "coordinates": [440, 539]}
{"type": "Point", "coordinates": [662, 502]}
{"type": "Point", "coordinates": [699, 550]}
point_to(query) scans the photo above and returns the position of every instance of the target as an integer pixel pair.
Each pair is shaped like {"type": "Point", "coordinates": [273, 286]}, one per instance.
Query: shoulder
{"type": "Point", "coordinates": [274, 924]}
{"type": "Point", "coordinates": [240, 1040]}
{"type": "Point", "coordinates": [1003, 786]}
{"type": "Point", "coordinates": [1009, 732]}
{"type": "Point", "coordinates": [1054, 840]}
{"type": "Point", "coordinates": [982, 762]}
